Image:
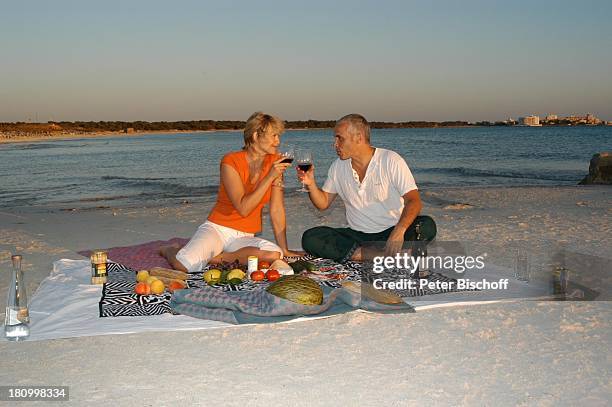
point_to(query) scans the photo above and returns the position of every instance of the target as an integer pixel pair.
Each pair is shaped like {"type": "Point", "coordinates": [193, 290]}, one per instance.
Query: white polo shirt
{"type": "Point", "coordinates": [376, 203]}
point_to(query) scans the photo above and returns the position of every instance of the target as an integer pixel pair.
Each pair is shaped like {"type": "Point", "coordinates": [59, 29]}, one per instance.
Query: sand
{"type": "Point", "coordinates": [524, 353]}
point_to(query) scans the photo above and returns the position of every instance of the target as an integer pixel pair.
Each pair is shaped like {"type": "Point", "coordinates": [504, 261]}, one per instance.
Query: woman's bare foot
{"type": "Point", "coordinates": [164, 251]}
{"type": "Point", "coordinates": [169, 253]}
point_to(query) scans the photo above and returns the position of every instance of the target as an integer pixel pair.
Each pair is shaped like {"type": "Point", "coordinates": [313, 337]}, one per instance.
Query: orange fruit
{"type": "Point", "coordinates": [142, 288]}
{"type": "Point", "coordinates": [176, 285]}
{"type": "Point", "coordinates": [157, 287]}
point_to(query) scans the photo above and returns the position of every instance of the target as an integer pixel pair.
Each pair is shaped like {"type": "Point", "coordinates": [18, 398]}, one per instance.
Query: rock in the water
{"type": "Point", "coordinates": [600, 170]}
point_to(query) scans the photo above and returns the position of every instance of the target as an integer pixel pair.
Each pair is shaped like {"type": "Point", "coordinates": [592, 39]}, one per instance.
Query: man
{"type": "Point", "coordinates": [379, 192]}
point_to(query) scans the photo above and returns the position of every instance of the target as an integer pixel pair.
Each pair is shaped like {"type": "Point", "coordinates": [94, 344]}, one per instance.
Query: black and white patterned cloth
{"type": "Point", "coordinates": [119, 298]}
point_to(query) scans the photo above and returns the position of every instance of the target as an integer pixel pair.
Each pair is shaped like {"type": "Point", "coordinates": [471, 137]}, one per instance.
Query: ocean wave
{"type": "Point", "coordinates": [153, 196]}
{"type": "Point", "coordinates": [568, 176]}
{"type": "Point", "coordinates": [561, 156]}
{"type": "Point", "coordinates": [160, 187]}
{"type": "Point", "coordinates": [131, 179]}
{"type": "Point", "coordinates": [41, 146]}
{"type": "Point", "coordinates": [112, 177]}
{"type": "Point", "coordinates": [39, 189]}
{"type": "Point", "coordinates": [106, 198]}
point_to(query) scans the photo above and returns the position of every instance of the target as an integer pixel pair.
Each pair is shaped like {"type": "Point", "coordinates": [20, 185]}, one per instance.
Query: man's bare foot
{"type": "Point", "coordinates": [357, 255]}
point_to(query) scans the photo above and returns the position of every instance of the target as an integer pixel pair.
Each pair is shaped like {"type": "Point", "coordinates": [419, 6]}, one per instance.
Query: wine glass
{"type": "Point", "coordinates": [287, 153]}
{"type": "Point", "coordinates": [304, 163]}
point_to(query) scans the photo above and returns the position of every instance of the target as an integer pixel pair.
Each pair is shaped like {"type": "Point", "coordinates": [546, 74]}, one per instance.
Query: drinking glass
{"type": "Point", "coordinates": [304, 163]}
{"type": "Point", "coordinates": [287, 152]}
{"type": "Point", "coordinates": [522, 265]}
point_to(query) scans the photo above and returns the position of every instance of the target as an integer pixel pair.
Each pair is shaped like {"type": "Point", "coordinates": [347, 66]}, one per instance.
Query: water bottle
{"type": "Point", "coordinates": [17, 317]}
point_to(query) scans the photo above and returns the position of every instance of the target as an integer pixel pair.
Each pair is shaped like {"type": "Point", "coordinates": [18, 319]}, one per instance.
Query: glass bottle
{"type": "Point", "coordinates": [422, 270]}
{"type": "Point", "coordinates": [17, 317]}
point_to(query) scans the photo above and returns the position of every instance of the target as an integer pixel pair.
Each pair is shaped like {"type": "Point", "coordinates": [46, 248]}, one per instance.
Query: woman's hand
{"type": "Point", "coordinates": [277, 169]}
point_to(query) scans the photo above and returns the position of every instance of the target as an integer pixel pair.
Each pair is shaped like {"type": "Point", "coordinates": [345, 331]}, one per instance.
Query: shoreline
{"type": "Point", "coordinates": [102, 134]}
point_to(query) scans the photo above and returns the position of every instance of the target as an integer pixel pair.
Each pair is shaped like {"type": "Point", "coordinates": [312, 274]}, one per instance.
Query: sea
{"type": "Point", "coordinates": [162, 169]}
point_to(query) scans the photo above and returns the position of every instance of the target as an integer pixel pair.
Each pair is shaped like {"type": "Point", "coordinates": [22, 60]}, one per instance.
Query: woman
{"type": "Point", "coordinates": [250, 178]}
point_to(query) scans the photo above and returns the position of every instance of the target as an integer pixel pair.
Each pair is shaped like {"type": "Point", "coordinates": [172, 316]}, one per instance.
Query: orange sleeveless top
{"type": "Point", "coordinates": [224, 213]}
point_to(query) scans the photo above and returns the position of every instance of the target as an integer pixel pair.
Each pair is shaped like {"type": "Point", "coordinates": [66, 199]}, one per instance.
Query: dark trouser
{"type": "Point", "coordinates": [339, 244]}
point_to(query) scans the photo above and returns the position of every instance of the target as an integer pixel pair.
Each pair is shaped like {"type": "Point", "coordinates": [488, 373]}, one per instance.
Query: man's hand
{"type": "Point", "coordinates": [394, 243]}
{"type": "Point", "coordinates": [412, 207]}
{"type": "Point", "coordinates": [307, 178]}
{"type": "Point", "coordinates": [321, 199]}
{"type": "Point", "coordinates": [293, 253]}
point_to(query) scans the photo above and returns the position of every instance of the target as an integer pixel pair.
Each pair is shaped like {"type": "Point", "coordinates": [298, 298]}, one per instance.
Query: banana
{"type": "Point", "coordinates": [168, 273]}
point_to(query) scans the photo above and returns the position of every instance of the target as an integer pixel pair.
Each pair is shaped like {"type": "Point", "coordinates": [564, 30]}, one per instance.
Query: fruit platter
{"type": "Point", "coordinates": [234, 276]}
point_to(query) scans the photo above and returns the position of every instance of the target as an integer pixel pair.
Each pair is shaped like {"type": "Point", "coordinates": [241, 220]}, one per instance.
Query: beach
{"type": "Point", "coordinates": [521, 353]}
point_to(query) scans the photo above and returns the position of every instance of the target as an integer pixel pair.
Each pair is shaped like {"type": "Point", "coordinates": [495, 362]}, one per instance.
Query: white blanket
{"type": "Point", "coordinates": [66, 305]}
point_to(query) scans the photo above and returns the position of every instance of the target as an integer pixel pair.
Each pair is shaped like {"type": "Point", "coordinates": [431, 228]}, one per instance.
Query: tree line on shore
{"type": "Point", "coordinates": [192, 125]}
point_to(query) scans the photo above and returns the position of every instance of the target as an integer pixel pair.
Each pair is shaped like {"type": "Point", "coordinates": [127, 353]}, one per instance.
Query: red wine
{"type": "Point", "coordinates": [304, 166]}
{"type": "Point", "coordinates": [287, 160]}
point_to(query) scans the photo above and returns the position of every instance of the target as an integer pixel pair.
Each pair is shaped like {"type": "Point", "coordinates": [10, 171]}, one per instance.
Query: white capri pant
{"type": "Point", "coordinates": [211, 239]}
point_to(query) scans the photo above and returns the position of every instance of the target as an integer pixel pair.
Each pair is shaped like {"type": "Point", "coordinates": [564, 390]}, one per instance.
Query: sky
{"type": "Point", "coordinates": [222, 60]}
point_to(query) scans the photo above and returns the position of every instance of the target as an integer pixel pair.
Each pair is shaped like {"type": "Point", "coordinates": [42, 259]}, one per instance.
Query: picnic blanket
{"type": "Point", "coordinates": [118, 297]}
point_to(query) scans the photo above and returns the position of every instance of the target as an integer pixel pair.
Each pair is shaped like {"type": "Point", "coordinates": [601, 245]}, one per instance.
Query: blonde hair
{"type": "Point", "coordinates": [357, 124]}
{"type": "Point", "coordinates": [261, 123]}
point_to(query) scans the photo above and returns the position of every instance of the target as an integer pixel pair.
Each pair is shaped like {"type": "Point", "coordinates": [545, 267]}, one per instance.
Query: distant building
{"type": "Point", "coordinates": [587, 119]}
{"type": "Point", "coordinates": [590, 119]}
{"type": "Point", "coordinates": [551, 117]}
{"type": "Point", "coordinates": [573, 119]}
{"type": "Point", "coordinates": [529, 121]}
{"type": "Point", "coordinates": [129, 130]}
{"type": "Point", "coordinates": [510, 121]}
